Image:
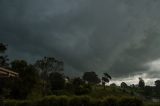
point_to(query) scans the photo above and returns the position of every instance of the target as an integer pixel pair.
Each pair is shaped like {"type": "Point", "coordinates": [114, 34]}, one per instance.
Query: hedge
{"type": "Point", "coordinates": [77, 101]}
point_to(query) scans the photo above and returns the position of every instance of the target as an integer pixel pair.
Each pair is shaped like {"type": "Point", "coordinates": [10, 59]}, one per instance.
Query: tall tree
{"type": "Point", "coordinates": [157, 91]}
{"type": "Point", "coordinates": [124, 85]}
{"type": "Point", "coordinates": [141, 83]}
{"type": "Point", "coordinates": [3, 63]}
{"type": "Point", "coordinates": [77, 82]}
{"type": "Point", "coordinates": [46, 67]}
{"type": "Point", "coordinates": [78, 86]}
{"type": "Point", "coordinates": [28, 78]}
{"type": "Point", "coordinates": [105, 79]}
{"type": "Point", "coordinates": [91, 77]}
{"type": "Point", "coordinates": [57, 81]}
{"type": "Point", "coordinates": [157, 83]}
{"type": "Point", "coordinates": [3, 58]}
{"type": "Point", "coordinates": [3, 48]}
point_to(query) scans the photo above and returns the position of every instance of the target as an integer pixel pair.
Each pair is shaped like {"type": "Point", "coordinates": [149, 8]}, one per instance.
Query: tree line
{"type": "Point", "coordinates": [46, 77]}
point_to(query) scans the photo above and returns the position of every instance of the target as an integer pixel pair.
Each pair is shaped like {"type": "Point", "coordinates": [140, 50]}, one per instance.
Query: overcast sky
{"type": "Point", "coordinates": [121, 37]}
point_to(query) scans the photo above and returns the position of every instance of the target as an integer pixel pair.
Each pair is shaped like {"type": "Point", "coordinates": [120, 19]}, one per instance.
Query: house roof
{"type": "Point", "coordinates": [7, 73]}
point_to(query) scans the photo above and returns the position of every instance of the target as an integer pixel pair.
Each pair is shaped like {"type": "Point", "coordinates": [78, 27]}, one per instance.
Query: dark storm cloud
{"type": "Point", "coordinates": [117, 36]}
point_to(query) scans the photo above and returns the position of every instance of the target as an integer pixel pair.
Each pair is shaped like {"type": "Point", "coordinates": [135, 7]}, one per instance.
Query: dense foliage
{"type": "Point", "coordinates": [38, 82]}
{"type": "Point", "coordinates": [77, 101]}
{"type": "Point", "coordinates": [3, 58]}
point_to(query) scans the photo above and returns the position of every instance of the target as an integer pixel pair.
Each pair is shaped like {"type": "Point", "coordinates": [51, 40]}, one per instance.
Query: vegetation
{"type": "Point", "coordinates": [3, 58]}
{"type": "Point", "coordinates": [91, 78]}
{"type": "Point", "coordinates": [43, 83]}
{"type": "Point", "coordinates": [105, 79]}
{"type": "Point", "coordinates": [141, 83]}
{"type": "Point", "coordinates": [77, 101]}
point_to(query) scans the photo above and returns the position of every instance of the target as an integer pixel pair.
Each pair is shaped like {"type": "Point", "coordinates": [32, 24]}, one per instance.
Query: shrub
{"type": "Point", "coordinates": [152, 104]}
{"type": "Point", "coordinates": [77, 101]}
{"type": "Point", "coordinates": [16, 103]}
{"type": "Point", "coordinates": [62, 101]}
{"type": "Point", "coordinates": [24, 103]}
{"type": "Point", "coordinates": [95, 102]}
{"type": "Point", "coordinates": [110, 101]}
{"type": "Point", "coordinates": [82, 90]}
{"type": "Point", "coordinates": [130, 101]}
{"type": "Point", "coordinates": [52, 101]}
{"type": "Point", "coordinates": [80, 101]}
{"type": "Point", "coordinates": [10, 103]}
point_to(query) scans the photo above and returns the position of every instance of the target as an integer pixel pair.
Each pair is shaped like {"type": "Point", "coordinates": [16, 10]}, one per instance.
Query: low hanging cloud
{"type": "Point", "coordinates": [118, 37]}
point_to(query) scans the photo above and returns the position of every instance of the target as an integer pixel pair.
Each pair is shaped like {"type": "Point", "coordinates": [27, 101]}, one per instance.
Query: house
{"type": "Point", "coordinates": [7, 73]}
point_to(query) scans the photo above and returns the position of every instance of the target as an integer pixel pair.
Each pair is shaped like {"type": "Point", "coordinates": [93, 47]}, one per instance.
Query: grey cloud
{"type": "Point", "coordinates": [108, 35]}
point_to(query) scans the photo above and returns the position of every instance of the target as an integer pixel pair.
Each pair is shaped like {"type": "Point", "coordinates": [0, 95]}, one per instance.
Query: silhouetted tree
{"type": "Point", "coordinates": [3, 58]}
{"type": "Point", "coordinates": [3, 48]}
{"type": "Point", "coordinates": [141, 83]}
{"type": "Point", "coordinates": [91, 77]}
{"type": "Point", "coordinates": [157, 91]}
{"type": "Point", "coordinates": [124, 85]}
{"type": "Point", "coordinates": [79, 86]}
{"type": "Point", "coordinates": [28, 78]}
{"type": "Point", "coordinates": [113, 85]}
{"type": "Point", "coordinates": [4, 89]}
{"type": "Point", "coordinates": [157, 83]}
{"type": "Point", "coordinates": [57, 81]}
{"type": "Point", "coordinates": [47, 66]}
{"type": "Point", "coordinates": [77, 82]}
{"type": "Point", "coordinates": [105, 79]}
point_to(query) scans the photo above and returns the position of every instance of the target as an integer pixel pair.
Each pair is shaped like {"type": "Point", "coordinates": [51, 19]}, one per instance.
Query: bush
{"type": "Point", "coordinates": [95, 102]}
{"type": "Point", "coordinates": [10, 103]}
{"type": "Point", "coordinates": [62, 101]}
{"type": "Point", "coordinates": [53, 101]}
{"type": "Point", "coordinates": [82, 90]}
{"type": "Point", "coordinates": [17, 103]}
{"type": "Point", "coordinates": [130, 101]}
{"type": "Point", "coordinates": [110, 101]}
{"type": "Point", "coordinates": [152, 104]}
{"type": "Point", "coordinates": [77, 101]}
{"type": "Point", "coordinates": [80, 101]}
